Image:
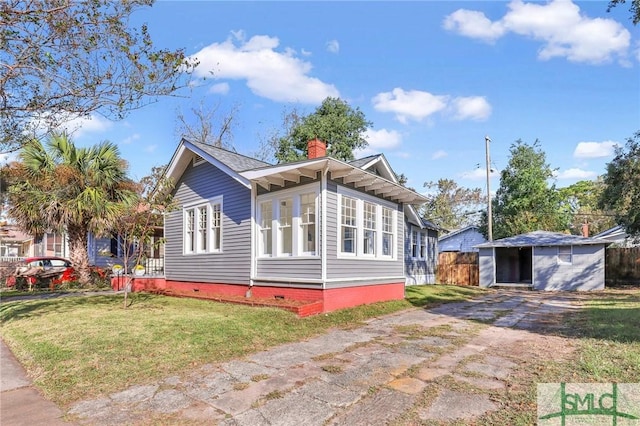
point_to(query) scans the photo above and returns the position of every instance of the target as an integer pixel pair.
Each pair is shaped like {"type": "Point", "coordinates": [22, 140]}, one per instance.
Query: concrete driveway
{"type": "Point", "coordinates": [372, 375]}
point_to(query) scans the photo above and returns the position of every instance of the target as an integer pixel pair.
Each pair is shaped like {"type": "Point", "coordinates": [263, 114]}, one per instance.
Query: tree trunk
{"type": "Point", "coordinates": [79, 255]}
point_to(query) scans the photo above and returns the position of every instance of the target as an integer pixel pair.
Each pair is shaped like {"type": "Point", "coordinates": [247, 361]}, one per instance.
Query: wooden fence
{"type": "Point", "coordinates": [458, 268]}
{"type": "Point", "coordinates": [622, 266]}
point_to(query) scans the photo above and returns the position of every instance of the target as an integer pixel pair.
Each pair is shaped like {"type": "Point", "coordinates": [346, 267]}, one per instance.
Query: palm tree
{"type": "Point", "coordinates": [64, 188]}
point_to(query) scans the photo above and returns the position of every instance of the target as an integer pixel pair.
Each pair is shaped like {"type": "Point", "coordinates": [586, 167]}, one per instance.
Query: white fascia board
{"type": "Point", "coordinates": [316, 165]}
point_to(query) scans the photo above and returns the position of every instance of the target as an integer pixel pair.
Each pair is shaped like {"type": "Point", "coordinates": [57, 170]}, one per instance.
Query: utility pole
{"type": "Point", "coordinates": [489, 215]}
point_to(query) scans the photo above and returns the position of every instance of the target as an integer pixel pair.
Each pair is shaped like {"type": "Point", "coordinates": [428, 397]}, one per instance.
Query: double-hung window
{"type": "Point", "coordinates": [285, 218]}
{"type": "Point", "coordinates": [203, 227]}
{"type": "Point", "coordinates": [387, 231]}
{"type": "Point", "coordinates": [287, 223]}
{"type": "Point", "coordinates": [565, 255]}
{"type": "Point", "coordinates": [369, 227]}
{"type": "Point", "coordinates": [349, 227]}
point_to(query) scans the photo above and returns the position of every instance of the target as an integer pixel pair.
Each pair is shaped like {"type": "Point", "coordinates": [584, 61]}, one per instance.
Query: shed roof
{"type": "Point", "coordinates": [458, 231]}
{"type": "Point", "coordinates": [541, 238]}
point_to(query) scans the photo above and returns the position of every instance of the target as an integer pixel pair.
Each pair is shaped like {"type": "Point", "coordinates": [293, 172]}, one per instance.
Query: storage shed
{"type": "Point", "coordinates": [543, 261]}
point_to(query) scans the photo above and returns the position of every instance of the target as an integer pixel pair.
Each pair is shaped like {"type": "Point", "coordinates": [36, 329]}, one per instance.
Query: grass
{"type": "Point", "coordinates": [82, 347]}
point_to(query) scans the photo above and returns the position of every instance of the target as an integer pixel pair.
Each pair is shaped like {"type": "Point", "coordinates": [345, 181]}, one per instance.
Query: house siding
{"type": "Point", "coordinates": [420, 271]}
{"type": "Point", "coordinates": [586, 271]}
{"type": "Point", "coordinates": [233, 264]}
{"type": "Point", "coordinates": [354, 270]}
{"type": "Point", "coordinates": [462, 242]}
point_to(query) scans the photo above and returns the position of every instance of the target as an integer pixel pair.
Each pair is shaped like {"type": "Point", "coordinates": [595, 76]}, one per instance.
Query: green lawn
{"type": "Point", "coordinates": [82, 347]}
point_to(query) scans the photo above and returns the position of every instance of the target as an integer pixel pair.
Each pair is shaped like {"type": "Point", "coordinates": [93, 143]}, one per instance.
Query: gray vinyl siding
{"type": "Point", "coordinates": [420, 271]}
{"type": "Point", "coordinates": [586, 271]}
{"type": "Point", "coordinates": [357, 268]}
{"type": "Point", "coordinates": [233, 264]}
{"type": "Point", "coordinates": [462, 242]}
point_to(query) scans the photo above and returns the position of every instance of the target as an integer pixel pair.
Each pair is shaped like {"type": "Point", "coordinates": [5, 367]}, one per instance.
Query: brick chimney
{"type": "Point", "coordinates": [585, 230]}
{"type": "Point", "coordinates": [316, 148]}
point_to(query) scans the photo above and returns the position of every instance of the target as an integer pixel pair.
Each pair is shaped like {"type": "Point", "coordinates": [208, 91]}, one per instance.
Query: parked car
{"type": "Point", "coordinates": [58, 269]}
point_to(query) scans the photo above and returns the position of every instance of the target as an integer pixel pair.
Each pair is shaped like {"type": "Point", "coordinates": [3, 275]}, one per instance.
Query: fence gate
{"type": "Point", "coordinates": [622, 266]}
{"type": "Point", "coordinates": [458, 268]}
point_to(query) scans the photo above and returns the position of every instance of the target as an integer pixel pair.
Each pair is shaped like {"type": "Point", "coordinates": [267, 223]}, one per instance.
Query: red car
{"type": "Point", "coordinates": [44, 263]}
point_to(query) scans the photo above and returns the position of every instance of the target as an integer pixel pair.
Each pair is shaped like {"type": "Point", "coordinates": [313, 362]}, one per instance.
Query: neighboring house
{"type": "Point", "coordinates": [317, 230]}
{"type": "Point", "coordinates": [618, 236]}
{"type": "Point", "coordinates": [543, 261]}
{"type": "Point", "coordinates": [14, 243]}
{"type": "Point", "coordinates": [461, 240]}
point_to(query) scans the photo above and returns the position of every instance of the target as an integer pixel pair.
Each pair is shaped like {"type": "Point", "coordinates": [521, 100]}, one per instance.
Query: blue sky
{"type": "Point", "coordinates": [433, 77]}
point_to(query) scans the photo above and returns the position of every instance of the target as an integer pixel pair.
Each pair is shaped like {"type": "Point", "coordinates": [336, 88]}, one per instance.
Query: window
{"type": "Point", "coordinates": [190, 238]}
{"type": "Point", "coordinates": [414, 244]}
{"type": "Point", "coordinates": [287, 223]}
{"type": "Point", "coordinates": [203, 228]}
{"type": "Point", "coordinates": [423, 245]}
{"type": "Point", "coordinates": [564, 255]}
{"type": "Point", "coordinates": [266, 238]}
{"type": "Point", "coordinates": [216, 222]}
{"type": "Point", "coordinates": [308, 222]}
{"type": "Point", "coordinates": [387, 232]}
{"type": "Point", "coordinates": [285, 240]}
{"type": "Point", "coordinates": [349, 226]}
{"type": "Point", "coordinates": [369, 226]}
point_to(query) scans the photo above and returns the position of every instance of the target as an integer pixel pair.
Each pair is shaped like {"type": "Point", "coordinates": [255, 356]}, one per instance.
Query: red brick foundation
{"type": "Point", "coordinates": [318, 300]}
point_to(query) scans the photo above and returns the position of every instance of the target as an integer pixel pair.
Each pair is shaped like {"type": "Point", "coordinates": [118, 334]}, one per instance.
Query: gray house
{"type": "Point", "coordinates": [461, 240]}
{"type": "Point", "coordinates": [315, 230]}
{"type": "Point", "coordinates": [543, 261]}
{"type": "Point", "coordinates": [618, 237]}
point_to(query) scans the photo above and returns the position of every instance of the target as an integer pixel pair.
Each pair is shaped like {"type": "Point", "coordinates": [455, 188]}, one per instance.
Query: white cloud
{"type": "Point", "coordinates": [474, 25]}
{"type": "Point", "coordinates": [129, 140]}
{"type": "Point", "coordinates": [478, 174]}
{"type": "Point", "coordinates": [439, 154]}
{"type": "Point", "coordinates": [151, 148]}
{"type": "Point", "coordinates": [333, 46]}
{"type": "Point", "coordinates": [559, 25]}
{"type": "Point", "coordinates": [576, 174]}
{"type": "Point", "coordinates": [220, 88]}
{"type": "Point", "coordinates": [417, 105]}
{"type": "Point", "coordinates": [80, 126]}
{"type": "Point", "coordinates": [409, 105]}
{"type": "Point", "coordinates": [595, 149]}
{"type": "Point", "coordinates": [277, 75]}
{"type": "Point", "coordinates": [379, 141]}
{"type": "Point", "coordinates": [472, 108]}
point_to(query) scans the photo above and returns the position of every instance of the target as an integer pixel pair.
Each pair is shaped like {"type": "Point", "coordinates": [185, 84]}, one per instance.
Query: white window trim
{"type": "Point", "coordinates": [296, 222]}
{"type": "Point", "coordinates": [562, 262]}
{"type": "Point", "coordinates": [209, 206]}
{"type": "Point", "coordinates": [361, 198]}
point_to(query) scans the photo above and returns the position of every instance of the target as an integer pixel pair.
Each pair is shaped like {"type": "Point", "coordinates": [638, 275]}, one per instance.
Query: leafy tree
{"type": "Point", "coordinates": [622, 186]}
{"type": "Point", "coordinates": [581, 200]}
{"type": "Point", "coordinates": [634, 9]}
{"type": "Point", "coordinates": [64, 59]}
{"type": "Point", "coordinates": [334, 122]}
{"type": "Point", "coordinates": [140, 219]}
{"type": "Point", "coordinates": [64, 188]}
{"type": "Point", "coordinates": [525, 202]}
{"type": "Point", "coordinates": [451, 206]}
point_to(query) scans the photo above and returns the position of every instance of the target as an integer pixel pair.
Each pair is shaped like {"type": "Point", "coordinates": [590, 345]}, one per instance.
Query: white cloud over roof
{"type": "Point", "coordinates": [559, 25]}
{"type": "Point", "coordinates": [595, 149]}
{"type": "Point", "coordinates": [417, 105]}
{"type": "Point", "coordinates": [380, 141]}
{"type": "Point", "coordinates": [277, 75]}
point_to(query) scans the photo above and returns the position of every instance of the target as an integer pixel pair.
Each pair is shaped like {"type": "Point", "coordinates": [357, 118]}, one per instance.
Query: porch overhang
{"type": "Point", "coordinates": [360, 179]}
